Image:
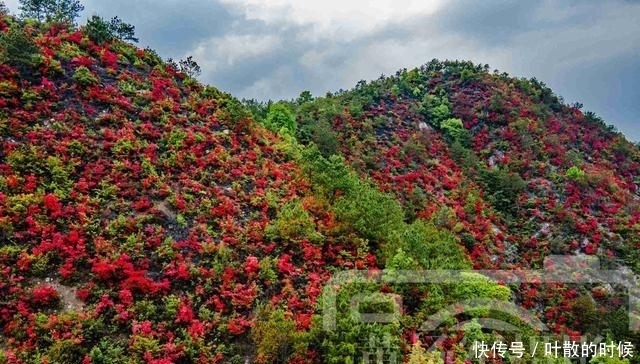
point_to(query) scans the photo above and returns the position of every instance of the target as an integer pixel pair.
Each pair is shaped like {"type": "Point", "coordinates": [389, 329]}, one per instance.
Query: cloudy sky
{"type": "Point", "coordinates": [585, 50]}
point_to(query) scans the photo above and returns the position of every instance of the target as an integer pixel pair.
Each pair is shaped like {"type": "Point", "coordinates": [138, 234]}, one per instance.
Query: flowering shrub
{"type": "Point", "coordinates": [84, 77]}
{"type": "Point", "coordinates": [44, 295]}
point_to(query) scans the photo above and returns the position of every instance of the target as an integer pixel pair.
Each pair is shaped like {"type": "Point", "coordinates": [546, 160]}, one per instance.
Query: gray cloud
{"type": "Point", "coordinates": [489, 22]}
{"type": "Point", "coordinates": [609, 87]}
{"type": "Point", "coordinates": [171, 27]}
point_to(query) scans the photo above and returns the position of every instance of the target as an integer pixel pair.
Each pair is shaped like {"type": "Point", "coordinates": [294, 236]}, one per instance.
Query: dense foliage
{"type": "Point", "coordinates": [146, 218]}
{"type": "Point", "coordinates": [51, 10]}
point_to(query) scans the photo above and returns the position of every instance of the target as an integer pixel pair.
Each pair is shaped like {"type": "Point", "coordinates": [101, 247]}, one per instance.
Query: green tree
{"type": "Point", "coordinates": [474, 285]}
{"type": "Point", "coordinates": [428, 246]}
{"type": "Point", "coordinates": [454, 130]}
{"type": "Point", "coordinates": [293, 222]}
{"type": "Point", "coordinates": [122, 30]}
{"type": "Point", "coordinates": [275, 336]}
{"type": "Point", "coordinates": [305, 96]}
{"type": "Point", "coordinates": [372, 213]}
{"type": "Point", "coordinates": [436, 108]}
{"type": "Point", "coordinates": [258, 109]}
{"type": "Point", "coordinates": [504, 187]}
{"type": "Point", "coordinates": [17, 49]}
{"type": "Point", "coordinates": [101, 31]}
{"type": "Point", "coordinates": [51, 10]}
{"type": "Point", "coordinates": [189, 67]}
{"type": "Point", "coordinates": [358, 204]}
{"type": "Point", "coordinates": [280, 116]}
{"type": "Point", "coordinates": [325, 138]}
{"type": "Point", "coordinates": [352, 336]}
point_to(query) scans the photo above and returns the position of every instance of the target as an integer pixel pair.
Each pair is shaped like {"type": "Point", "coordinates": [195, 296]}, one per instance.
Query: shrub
{"type": "Point", "coordinates": [17, 49]}
{"type": "Point", "coordinates": [151, 57]}
{"type": "Point", "coordinates": [68, 51]}
{"type": "Point", "coordinates": [496, 103]}
{"type": "Point", "coordinates": [84, 77]}
{"type": "Point", "coordinates": [107, 352]}
{"type": "Point", "coordinates": [585, 308]}
{"type": "Point", "coordinates": [275, 336]}
{"type": "Point", "coordinates": [428, 246]}
{"type": "Point", "coordinates": [293, 222]}
{"type": "Point", "coordinates": [266, 270]}
{"type": "Point", "coordinates": [126, 50]}
{"type": "Point", "coordinates": [576, 174]}
{"type": "Point", "coordinates": [419, 355]}
{"type": "Point", "coordinates": [454, 130]}
{"type": "Point", "coordinates": [66, 352]}
{"type": "Point", "coordinates": [280, 116]}
{"type": "Point", "coordinates": [44, 296]}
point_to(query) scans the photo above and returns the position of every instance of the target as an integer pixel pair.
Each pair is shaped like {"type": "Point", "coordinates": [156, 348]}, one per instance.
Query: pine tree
{"type": "Point", "coordinates": [101, 31]}
{"type": "Point", "coordinates": [51, 10]}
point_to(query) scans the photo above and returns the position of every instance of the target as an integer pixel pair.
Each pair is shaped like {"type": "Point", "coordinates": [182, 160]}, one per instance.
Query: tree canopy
{"type": "Point", "coordinates": [51, 10]}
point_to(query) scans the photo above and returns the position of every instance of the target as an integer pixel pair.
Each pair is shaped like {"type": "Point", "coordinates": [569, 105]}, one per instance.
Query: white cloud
{"type": "Point", "coordinates": [335, 19]}
{"type": "Point", "coordinates": [387, 57]}
{"type": "Point", "coordinates": [12, 5]}
{"type": "Point", "coordinates": [274, 86]}
{"type": "Point", "coordinates": [222, 52]}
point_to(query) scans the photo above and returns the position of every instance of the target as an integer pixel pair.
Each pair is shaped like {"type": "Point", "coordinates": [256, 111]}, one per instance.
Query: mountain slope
{"type": "Point", "coordinates": [134, 205]}
{"type": "Point", "coordinates": [452, 130]}
{"type": "Point", "coordinates": [505, 166]}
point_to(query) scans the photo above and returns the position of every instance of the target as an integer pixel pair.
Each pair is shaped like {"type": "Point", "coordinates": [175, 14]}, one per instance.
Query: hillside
{"type": "Point", "coordinates": [504, 165]}
{"type": "Point", "coordinates": [133, 206]}
{"type": "Point", "coordinates": [147, 218]}
{"type": "Point", "coordinates": [499, 153]}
